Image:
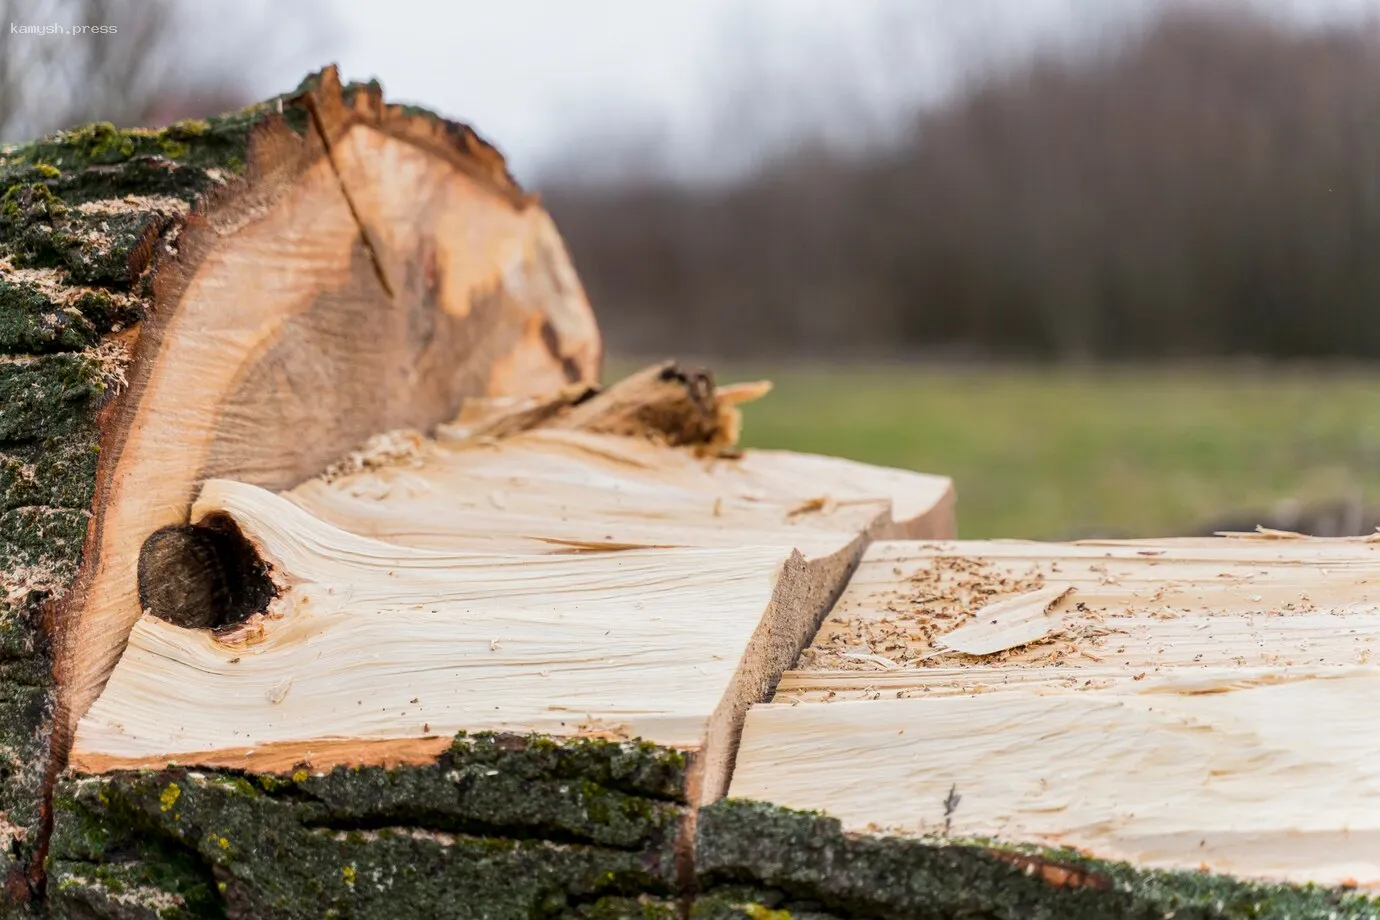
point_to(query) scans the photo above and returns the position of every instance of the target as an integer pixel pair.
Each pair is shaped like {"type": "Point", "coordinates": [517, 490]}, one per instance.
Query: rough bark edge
{"type": "Point", "coordinates": [765, 858]}
{"type": "Point", "coordinates": [499, 826]}
{"type": "Point", "coordinates": [82, 214]}
{"type": "Point", "coordinates": [508, 826]}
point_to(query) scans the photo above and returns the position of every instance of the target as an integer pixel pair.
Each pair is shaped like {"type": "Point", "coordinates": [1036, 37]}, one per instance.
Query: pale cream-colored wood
{"type": "Point", "coordinates": [554, 580]}
{"type": "Point", "coordinates": [372, 642]}
{"type": "Point", "coordinates": [1136, 605]}
{"type": "Point", "coordinates": [1008, 623]}
{"type": "Point", "coordinates": [570, 490]}
{"type": "Point", "coordinates": [367, 275]}
{"type": "Point", "coordinates": [1199, 703]}
{"type": "Point", "coordinates": [1278, 781]}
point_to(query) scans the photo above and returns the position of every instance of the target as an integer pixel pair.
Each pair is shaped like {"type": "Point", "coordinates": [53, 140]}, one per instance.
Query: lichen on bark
{"type": "Point", "coordinates": [797, 859]}
{"type": "Point", "coordinates": [48, 454]}
{"type": "Point", "coordinates": [499, 826]}
{"type": "Point", "coordinates": [86, 218]}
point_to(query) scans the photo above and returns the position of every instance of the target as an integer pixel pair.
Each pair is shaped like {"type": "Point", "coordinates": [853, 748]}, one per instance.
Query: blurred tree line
{"type": "Point", "coordinates": [1207, 185]}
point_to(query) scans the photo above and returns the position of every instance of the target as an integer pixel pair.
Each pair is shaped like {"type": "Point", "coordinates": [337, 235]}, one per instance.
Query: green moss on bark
{"type": "Point", "coordinates": [747, 903]}
{"type": "Point", "coordinates": [511, 786]}
{"type": "Point", "coordinates": [48, 452]}
{"type": "Point", "coordinates": [42, 397]}
{"type": "Point", "coordinates": [41, 313]}
{"type": "Point", "coordinates": [48, 439]}
{"type": "Point", "coordinates": [200, 145]}
{"type": "Point", "coordinates": [83, 215]}
{"type": "Point", "coordinates": [500, 826]}
{"type": "Point", "coordinates": [93, 200]}
{"type": "Point", "coordinates": [808, 858]}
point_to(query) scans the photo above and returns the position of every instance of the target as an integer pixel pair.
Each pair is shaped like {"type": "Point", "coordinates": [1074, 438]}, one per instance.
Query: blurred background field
{"type": "Point", "coordinates": [1114, 265]}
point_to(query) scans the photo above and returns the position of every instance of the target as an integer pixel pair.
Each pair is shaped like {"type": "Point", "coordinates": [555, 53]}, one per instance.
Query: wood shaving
{"type": "Point", "coordinates": [112, 357]}
{"type": "Point", "coordinates": [1009, 623]}
{"type": "Point", "coordinates": [1262, 532]}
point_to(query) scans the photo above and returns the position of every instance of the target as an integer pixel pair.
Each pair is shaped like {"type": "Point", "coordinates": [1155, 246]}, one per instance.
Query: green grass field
{"type": "Point", "coordinates": [1053, 454]}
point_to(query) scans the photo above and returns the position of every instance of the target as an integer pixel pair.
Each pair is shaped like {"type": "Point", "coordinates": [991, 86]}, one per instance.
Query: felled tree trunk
{"type": "Point", "coordinates": [335, 585]}
{"type": "Point", "coordinates": [1109, 729]}
{"type": "Point", "coordinates": [326, 342]}
{"type": "Point", "coordinates": [491, 673]}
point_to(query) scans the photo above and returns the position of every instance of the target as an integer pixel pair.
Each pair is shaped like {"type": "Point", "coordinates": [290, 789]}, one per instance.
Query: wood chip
{"type": "Point", "coordinates": [1009, 623]}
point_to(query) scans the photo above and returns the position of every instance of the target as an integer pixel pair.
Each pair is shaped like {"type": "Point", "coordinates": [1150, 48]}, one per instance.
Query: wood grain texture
{"type": "Point", "coordinates": [1196, 703]}
{"type": "Point", "coordinates": [361, 280]}
{"type": "Point", "coordinates": [555, 581]}
{"type": "Point", "coordinates": [555, 490]}
{"type": "Point", "coordinates": [429, 642]}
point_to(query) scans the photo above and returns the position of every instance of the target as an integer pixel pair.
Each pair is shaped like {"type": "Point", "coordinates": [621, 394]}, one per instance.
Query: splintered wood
{"type": "Point", "coordinates": [555, 579]}
{"type": "Point", "coordinates": [1177, 704]}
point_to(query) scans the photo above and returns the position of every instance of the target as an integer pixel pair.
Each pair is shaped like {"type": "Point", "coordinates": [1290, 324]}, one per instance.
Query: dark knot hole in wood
{"type": "Point", "coordinates": [203, 576]}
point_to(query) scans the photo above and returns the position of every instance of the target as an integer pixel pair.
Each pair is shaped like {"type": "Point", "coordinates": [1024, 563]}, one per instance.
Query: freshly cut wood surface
{"type": "Point", "coordinates": [1199, 703]}
{"type": "Point", "coordinates": [247, 296]}
{"type": "Point", "coordinates": [372, 642]}
{"type": "Point", "coordinates": [553, 490]}
{"type": "Point", "coordinates": [553, 580]}
{"type": "Point", "coordinates": [372, 273]}
{"type": "Point", "coordinates": [1138, 606]}
{"type": "Point", "coordinates": [1008, 623]}
{"type": "Point", "coordinates": [588, 469]}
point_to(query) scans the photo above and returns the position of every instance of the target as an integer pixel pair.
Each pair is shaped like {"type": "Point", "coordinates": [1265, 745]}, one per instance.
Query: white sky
{"type": "Point", "coordinates": [538, 76]}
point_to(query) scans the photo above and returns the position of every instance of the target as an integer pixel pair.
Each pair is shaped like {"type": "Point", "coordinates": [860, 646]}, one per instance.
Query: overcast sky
{"type": "Point", "coordinates": [540, 77]}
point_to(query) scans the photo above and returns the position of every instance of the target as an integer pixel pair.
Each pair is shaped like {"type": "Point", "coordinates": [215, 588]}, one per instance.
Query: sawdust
{"type": "Point", "coordinates": [134, 204]}
{"type": "Point", "coordinates": [935, 600]}
{"type": "Point", "coordinates": [112, 357]}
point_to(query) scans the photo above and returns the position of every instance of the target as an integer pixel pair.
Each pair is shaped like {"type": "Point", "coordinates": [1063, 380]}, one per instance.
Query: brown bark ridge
{"type": "Point", "coordinates": [250, 296]}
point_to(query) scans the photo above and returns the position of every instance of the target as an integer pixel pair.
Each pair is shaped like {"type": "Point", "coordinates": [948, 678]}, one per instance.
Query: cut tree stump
{"type": "Point", "coordinates": [336, 585]}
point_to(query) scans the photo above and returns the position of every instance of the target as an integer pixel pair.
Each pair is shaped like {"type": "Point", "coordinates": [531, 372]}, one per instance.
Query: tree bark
{"type": "Point", "coordinates": [751, 856]}
{"type": "Point", "coordinates": [497, 826]}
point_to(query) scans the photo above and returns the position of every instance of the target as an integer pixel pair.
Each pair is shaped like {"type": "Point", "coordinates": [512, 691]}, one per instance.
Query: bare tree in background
{"type": "Point", "coordinates": [166, 60]}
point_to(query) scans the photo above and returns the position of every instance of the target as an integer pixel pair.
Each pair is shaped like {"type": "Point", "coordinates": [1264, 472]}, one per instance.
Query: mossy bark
{"type": "Point", "coordinates": [82, 216]}
{"type": "Point", "coordinates": [760, 862]}
{"type": "Point", "coordinates": [503, 826]}
{"type": "Point", "coordinates": [498, 827]}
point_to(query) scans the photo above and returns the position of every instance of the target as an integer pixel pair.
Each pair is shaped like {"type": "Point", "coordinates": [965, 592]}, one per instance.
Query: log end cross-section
{"type": "Point", "coordinates": [251, 297]}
